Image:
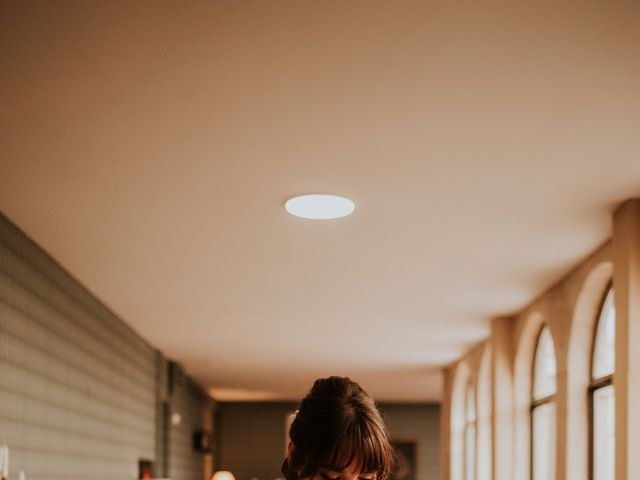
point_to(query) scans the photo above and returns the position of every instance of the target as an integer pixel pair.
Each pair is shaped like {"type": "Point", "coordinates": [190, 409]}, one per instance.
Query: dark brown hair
{"type": "Point", "coordinates": [336, 425]}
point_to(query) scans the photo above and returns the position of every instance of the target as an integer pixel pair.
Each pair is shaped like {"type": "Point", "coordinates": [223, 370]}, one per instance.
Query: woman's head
{"type": "Point", "coordinates": [338, 432]}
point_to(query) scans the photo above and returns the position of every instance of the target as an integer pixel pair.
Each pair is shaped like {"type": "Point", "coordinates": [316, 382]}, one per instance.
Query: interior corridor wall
{"type": "Point", "coordinates": [80, 392]}
{"type": "Point", "coordinates": [569, 311]}
{"type": "Point", "coordinates": [251, 437]}
{"type": "Point", "coordinates": [420, 424]}
{"type": "Point", "coordinates": [195, 409]}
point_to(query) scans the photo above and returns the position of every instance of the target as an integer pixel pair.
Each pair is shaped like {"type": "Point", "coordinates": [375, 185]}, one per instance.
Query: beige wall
{"type": "Point", "coordinates": [570, 309]}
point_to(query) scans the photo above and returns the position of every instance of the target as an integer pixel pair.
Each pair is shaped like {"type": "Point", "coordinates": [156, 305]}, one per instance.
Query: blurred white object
{"type": "Point", "coordinates": [4, 461]}
{"type": "Point", "coordinates": [22, 476]}
{"type": "Point", "coordinates": [176, 418]}
{"type": "Point", "coordinates": [223, 475]}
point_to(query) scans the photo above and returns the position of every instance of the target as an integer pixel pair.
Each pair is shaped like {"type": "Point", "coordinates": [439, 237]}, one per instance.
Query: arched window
{"type": "Point", "coordinates": [470, 434]}
{"type": "Point", "coordinates": [602, 394]}
{"type": "Point", "coordinates": [543, 409]}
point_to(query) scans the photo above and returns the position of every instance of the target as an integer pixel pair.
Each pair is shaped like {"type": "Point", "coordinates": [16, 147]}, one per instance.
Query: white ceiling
{"type": "Point", "coordinates": [150, 146]}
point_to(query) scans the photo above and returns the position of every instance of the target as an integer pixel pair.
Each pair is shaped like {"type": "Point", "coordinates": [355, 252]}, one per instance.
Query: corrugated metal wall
{"type": "Point", "coordinates": [196, 413]}
{"type": "Point", "coordinates": [79, 390]}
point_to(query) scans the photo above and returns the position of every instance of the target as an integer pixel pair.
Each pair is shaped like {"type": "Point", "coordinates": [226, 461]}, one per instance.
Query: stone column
{"type": "Point", "coordinates": [502, 398]}
{"type": "Point", "coordinates": [445, 425]}
{"type": "Point", "coordinates": [626, 282]}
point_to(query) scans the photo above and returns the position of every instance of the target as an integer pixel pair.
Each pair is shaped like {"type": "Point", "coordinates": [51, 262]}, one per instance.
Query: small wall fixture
{"type": "Point", "coordinates": [320, 206]}
{"type": "Point", "coordinates": [176, 419]}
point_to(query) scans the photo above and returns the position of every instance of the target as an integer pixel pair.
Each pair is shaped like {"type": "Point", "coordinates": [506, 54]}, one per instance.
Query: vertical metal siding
{"type": "Point", "coordinates": [78, 387]}
{"type": "Point", "coordinates": [195, 407]}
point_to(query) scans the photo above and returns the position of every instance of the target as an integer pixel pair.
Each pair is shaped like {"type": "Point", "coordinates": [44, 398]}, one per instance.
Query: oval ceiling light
{"type": "Point", "coordinates": [320, 206]}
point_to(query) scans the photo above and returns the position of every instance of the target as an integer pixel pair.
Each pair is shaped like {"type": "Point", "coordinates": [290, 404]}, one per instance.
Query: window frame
{"type": "Point", "coordinates": [535, 403]}
{"type": "Point", "coordinates": [467, 424]}
{"type": "Point", "coordinates": [596, 384]}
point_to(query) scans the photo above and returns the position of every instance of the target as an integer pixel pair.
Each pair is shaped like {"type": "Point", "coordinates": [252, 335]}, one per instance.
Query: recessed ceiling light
{"type": "Point", "coordinates": [319, 206]}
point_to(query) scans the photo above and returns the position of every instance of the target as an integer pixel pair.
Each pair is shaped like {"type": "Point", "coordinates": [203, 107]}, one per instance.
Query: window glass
{"type": "Point", "coordinates": [470, 404]}
{"type": "Point", "coordinates": [544, 442]}
{"type": "Point", "coordinates": [544, 370]}
{"type": "Point", "coordinates": [470, 434]}
{"type": "Point", "coordinates": [470, 452]}
{"type": "Point", "coordinates": [603, 350]}
{"type": "Point", "coordinates": [603, 393]}
{"type": "Point", "coordinates": [604, 433]}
